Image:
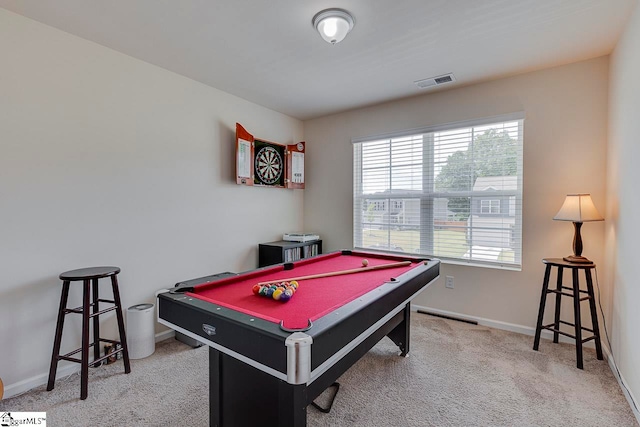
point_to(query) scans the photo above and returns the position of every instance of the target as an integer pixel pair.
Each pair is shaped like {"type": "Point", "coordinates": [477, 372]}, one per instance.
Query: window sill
{"type": "Point", "coordinates": [495, 266]}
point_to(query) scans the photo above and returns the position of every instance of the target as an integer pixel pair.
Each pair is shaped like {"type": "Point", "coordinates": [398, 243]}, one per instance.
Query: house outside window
{"type": "Point", "coordinates": [452, 192]}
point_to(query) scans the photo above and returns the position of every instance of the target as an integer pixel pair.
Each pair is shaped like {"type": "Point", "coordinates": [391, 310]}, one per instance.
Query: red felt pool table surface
{"type": "Point", "coordinates": [314, 297]}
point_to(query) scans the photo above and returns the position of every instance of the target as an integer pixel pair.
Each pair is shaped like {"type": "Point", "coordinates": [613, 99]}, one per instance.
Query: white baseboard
{"type": "Point", "coordinates": [633, 402]}
{"type": "Point", "coordinates": [15, 389]}
{"type": "Point", "coordinates": [512, 327]}
{"type": "Point", "coordinates": [527, 330]}
{"type": "Point", "coordinates": [165, 335]}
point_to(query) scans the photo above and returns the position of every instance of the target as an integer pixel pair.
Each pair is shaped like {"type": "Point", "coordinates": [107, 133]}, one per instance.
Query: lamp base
{"type": "Point", "coordinates": [577, 259]}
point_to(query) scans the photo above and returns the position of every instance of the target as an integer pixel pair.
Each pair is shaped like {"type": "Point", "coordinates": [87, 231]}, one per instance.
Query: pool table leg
{"type": "Point", "coordinates": [292, 405]}
{"type": "Point", "coordinates": [241, 395]}
{"type": "Point", "coordinates": [401, 333]}
{"type": "Point", "coordinates": [215, 419]}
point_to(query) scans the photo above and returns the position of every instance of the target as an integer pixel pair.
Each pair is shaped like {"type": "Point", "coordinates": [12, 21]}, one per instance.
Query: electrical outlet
{"type": "Point", "coordinates": [449, 282]}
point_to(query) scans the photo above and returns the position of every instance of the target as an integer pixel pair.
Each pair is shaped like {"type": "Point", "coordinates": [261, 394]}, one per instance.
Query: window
{"type": "Point", "coordinates": [453, 192]}
{"type": "Point", "coordinates": [488, 206]}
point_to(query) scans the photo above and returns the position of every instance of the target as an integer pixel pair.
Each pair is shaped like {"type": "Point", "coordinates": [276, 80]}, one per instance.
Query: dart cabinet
{"type": "Point", "coordinates": [268, 164]}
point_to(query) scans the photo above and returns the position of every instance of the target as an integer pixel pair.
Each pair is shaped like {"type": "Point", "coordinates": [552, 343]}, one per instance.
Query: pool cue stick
{"type": "Point", "coordinates": [341, 272]}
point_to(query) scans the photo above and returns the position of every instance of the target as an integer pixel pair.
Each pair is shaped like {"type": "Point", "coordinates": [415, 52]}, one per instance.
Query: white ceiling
{"type": "Point", "coordinates": [266, 51]}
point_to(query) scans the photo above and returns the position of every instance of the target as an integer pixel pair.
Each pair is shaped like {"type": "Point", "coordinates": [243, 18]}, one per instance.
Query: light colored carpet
{"type": "Point", "coordinates": [456, 375]}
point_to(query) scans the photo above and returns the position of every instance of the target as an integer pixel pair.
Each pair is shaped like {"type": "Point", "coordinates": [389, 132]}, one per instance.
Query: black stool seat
{"type": "Point", "coordinates": [578, 295]}
{"type": "Point", "coordinates": [89, 273]}
{"type": "Point", "coordinates": [90, 300]}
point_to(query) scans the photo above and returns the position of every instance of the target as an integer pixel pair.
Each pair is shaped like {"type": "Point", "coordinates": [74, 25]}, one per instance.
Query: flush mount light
{"type": "Point", "coordinates": [333, 24]}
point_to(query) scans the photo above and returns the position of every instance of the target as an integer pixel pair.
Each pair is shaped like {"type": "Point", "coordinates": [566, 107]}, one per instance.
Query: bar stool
{"type": "Point", "coordinates": [561, 264]}
{"type": "Point", "coordinates": [89, 277]}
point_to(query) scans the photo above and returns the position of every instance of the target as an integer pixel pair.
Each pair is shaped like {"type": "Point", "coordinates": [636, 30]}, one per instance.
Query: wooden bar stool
{"type": "Point", "coordinates": [89, 278]}
{"type": "Point", "coordinates": [575, 294]}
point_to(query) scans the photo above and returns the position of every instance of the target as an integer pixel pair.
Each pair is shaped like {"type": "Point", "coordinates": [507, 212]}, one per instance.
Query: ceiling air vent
{"type": "Point", "coordinates": [435, 81]}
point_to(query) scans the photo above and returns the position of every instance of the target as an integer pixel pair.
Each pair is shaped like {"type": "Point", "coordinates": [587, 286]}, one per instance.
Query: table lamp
{"type": "Point", "coordinates": [578, 208]}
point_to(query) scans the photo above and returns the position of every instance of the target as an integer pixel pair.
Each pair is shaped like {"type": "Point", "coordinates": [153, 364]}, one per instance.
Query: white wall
{"type": "Point", "coordinates": [622, 228]}
{"type": "Point", "coordinates": [565, 135]}
{"type": "Point", "coordinates": [107, 160]}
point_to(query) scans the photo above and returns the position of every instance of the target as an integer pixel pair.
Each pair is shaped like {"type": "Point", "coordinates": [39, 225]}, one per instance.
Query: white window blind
{"type": "Point", "coordinates": [452, 192]}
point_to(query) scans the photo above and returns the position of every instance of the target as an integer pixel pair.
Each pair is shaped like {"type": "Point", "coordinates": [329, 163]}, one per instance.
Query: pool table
{"type": "Point", "coordinates": [269, 359]}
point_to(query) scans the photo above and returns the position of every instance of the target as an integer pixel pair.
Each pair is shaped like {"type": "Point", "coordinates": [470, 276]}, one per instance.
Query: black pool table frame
{"type": "Point", "coordinates": [260, 374]}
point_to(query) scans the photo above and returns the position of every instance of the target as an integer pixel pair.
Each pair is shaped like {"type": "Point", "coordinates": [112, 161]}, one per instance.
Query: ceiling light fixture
{"type": "Point", "coordinates": [333, 24]}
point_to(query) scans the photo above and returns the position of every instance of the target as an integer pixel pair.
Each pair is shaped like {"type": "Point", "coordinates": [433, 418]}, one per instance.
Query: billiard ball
{"type": "Point", "coordinates": [365, 263]}
{"type": "Point", "coordinates": [285, 296]}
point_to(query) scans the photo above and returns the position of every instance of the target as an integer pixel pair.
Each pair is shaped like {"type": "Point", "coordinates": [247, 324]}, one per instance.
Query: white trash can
{"type": "Point", "coordinates": [141, 334]}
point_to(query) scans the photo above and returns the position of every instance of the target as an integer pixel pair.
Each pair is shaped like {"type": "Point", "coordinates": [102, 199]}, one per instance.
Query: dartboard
{"type": "Point", "coordinates": [268, 165]}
